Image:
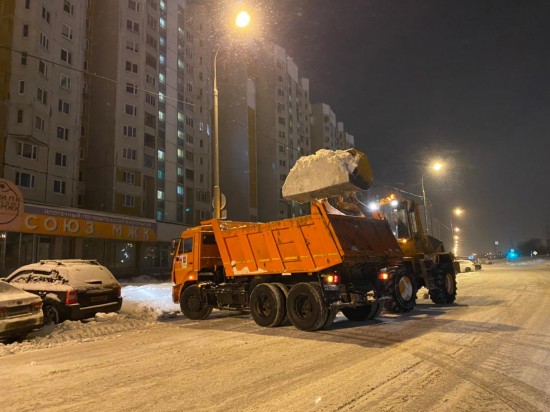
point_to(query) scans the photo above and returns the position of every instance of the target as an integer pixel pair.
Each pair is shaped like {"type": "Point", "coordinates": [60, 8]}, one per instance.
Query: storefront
{"type": "Point", "coordinates": [128, 246]}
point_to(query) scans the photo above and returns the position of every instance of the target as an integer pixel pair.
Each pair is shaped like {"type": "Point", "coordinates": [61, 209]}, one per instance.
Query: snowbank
{"type": "Point", "coordinates": [142, 306]}
{"type": "Point", "coordinates": [327, 173]}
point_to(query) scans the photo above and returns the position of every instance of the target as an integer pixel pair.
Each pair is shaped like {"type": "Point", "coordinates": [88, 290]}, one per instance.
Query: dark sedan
{"type": "Point", "coordinates": [70, 289]}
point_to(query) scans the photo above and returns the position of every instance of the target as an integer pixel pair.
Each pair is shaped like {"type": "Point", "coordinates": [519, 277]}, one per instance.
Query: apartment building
{"type": "Point", "coordinates": [323, 127]}
{"type": "Point", "coordinates": [344, 140]}
{"type": "Point", "coordinates": [41, 63]}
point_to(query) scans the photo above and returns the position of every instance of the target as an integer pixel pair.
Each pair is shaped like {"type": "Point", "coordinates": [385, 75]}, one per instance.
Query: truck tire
{"type": "Point", "coordinates": [285, 290]}
{"type": "Point", "coordinates": [445, 293]}
{"type": "Point", "coordinates": [361, 313]}
{"type": "Point", "coordinates": [402, 289]}
{"type": "Point", "coordinates": [306, 307]}
{"type": "Point", "coordinates": [267, 305]}
{"type": "Point", "coordinates": [331, 315]}
{"type": "Point", "coordinates": [192, 305]}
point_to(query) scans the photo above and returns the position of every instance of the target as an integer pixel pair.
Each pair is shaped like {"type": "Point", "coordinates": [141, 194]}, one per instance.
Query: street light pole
{"type": "Point", "coordinates": [216, 172]}
{"type": "Point", "coordinates": [425, 205]}
{"type": "Point", "coordinates": [242, 20]}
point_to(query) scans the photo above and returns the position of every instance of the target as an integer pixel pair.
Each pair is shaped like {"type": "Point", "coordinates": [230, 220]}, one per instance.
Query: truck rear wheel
{"type": "Point", "coordinates": [267, 305]}
{"type": "Point", "coordinates": [306, 307]}
{"type": "Point", "coordinates": [402, 290]}
{"type": "Point", "coordinates": [192, 305]}
{"type": "Point", "coordinates": [361, 313]}
{"type": "Point", "coordinates": [445, 293]}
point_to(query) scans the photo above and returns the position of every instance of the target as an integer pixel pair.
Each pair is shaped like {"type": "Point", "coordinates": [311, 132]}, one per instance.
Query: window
{"type": "Point", "coordinates": [60, 159]}
{"type": "Point", "coordinates": [24, 180]}
{"type": "Point", "coordinates": [62, 133]}
{"type": "Point", "coordinates": [42, 95]}
{"type": "Point", "coordinates": [23, 60]}
{"type": "Point", "coordinates": [25, 30]}
{"type": "Point", "coordinates": [129, 131]}
{"type": "Point", "coordinates": [131, 88]}
{"type": "Point", "coordinates": [150, 98]}
{"type": "Point", "coordinates": [151, 41]}
{"type": "Point", "coordinates": [180, 153]}
{"type": "Point", "coordinates": [66, 56]}
{"type": "Point", "coordinates": [39, 123]}
{"type": "Point", "coordinates": [27, 4]}
{"type": "Point", "coordinates": [148, 161]}
{"type": "Point", "coordinates": [131, 67]}
{"type": "Point", "coordinates": [160, 154]}
{"type": "Point", "coordinates": [132, 26]}
{"type": "Point", "coordinates": [149, 140]}
{"type": "Point", "coordinates": [44, 41]}
{"type": "Point", "coordinates": [129, 154]}
{"type": "Point", "coordinates": [45, 14]}
{"type": "Point", "coordinates": [131, 109]}
{"type": "Point", "coordinates": [160, 194]}
{"type": "Point", "coordinates": [21, 86]}
{"type": "Point", "coordinates": [160, 174]}
{"type": "Point", "coordinates": [128, 201]}
{"type": "Point", "coordinates": [59, 187]}
{"type": "Point", "coordinates": [27, 150]}
{"type": "Point", "coordinates": [67, 7]}
{"type": "Point", "coordinates": [128, 177]}
{"type": "Point", "coordinates": [133, 5]}
{"type": "Point", "coordinates": [179, 190]}
{"type": "Point", "coordinates": [151, 61]}
{"type": "Point", "coordinates": [43, 68]}
{"type": "Point", "coordinates": [150, 80]}
{"type": "Point", "coordinates": [150, 120]}
{"type": "Point", "coordinates": [65, 81]}
{"type": "Point", "coordinates": [20, 116]}
{"type": "Point", "coordinates": [131, 45]}
{"type": "Point", "coordinates": [64, 107]}
{"type": "Point", "coordinates": [67, 31]}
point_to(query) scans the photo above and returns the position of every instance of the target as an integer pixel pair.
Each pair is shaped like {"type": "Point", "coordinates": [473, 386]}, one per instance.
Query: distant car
{"type": "Point", "coordinates": [20, 312]}
{"type": "Point", "coordinates": [70, 289]}
{"type": "Point", "coordinates": [466, 265]}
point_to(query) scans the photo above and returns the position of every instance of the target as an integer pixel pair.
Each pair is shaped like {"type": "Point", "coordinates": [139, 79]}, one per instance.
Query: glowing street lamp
{"type": "Point", "coordinates": [242, 20]}
{"type": "Point", "coordinates": [457, 211]}
{"type": "Point", "coordinates": [434, 168]}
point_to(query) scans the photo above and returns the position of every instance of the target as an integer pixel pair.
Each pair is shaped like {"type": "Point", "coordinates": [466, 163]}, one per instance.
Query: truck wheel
{"type": "Point", "coordinates": [267, 305]}
{"type": "Point", "coordinates": [306, 307]}
{"type": "Point", "coordinates": [284, 289]}
{"type": "Point", "coordinates": [402, 290]}
{"type": "Point", "coordinates": [445, 293]}
{"type": "Point", "coordinates": [331, 315]}
{"type": "Point", "coordinates": [192, 305]}
{"type": "Point", "coordinates": [361, 313]}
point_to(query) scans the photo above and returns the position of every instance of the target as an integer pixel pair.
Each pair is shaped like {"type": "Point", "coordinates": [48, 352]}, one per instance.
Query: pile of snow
{"type": "Point", "coordinates": [143, 306]}
{"type": "Point", "coordinates": [327, 173]}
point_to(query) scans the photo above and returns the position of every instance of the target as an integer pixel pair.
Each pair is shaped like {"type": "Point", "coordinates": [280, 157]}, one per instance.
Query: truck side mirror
{"type": "Point", "coordinates": [173, 247]}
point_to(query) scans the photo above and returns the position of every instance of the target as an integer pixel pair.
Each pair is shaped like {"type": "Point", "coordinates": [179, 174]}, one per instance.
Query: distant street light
{"type": "Point", "coordinates": [457, 211]}
{"type": "Point", "coordinates": [435, 167]}
{"type": "Point", "coordinates": [242, 20]}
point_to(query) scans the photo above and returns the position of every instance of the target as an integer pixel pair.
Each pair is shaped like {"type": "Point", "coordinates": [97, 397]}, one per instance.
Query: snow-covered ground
{"type": "Point", "coordinates": [146, 301]}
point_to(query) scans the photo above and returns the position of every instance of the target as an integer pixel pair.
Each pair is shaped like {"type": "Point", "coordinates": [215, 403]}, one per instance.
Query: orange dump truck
{"type": "Point", "coordinates": [305, 268]}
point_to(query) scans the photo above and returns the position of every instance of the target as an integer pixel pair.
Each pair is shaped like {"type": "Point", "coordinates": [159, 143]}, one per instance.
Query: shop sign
{"type": "Point", "coordinates": [11, 205]}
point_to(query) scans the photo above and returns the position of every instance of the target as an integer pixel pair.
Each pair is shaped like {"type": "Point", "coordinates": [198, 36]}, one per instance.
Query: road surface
{"type": "Point", "coordinates": [490, 351]}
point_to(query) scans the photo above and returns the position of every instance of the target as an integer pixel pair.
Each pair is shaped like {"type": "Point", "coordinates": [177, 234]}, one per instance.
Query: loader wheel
{"type": "Point", "coordinates": [267, 305]}
{"type": "Point", "coordinates": [361, 313]}
{"type": "Point", "coordinates": [445, 293]}
{"type": "Point", "coordinates": [192, 305]}
{"type": "Point", "coordinates": [402, 290]}
{"type": "Point", "coordinates": [306, 307]}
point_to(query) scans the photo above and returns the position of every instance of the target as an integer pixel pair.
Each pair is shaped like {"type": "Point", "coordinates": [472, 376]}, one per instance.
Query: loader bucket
{"type": "Point", "coordinates": [327, 173]}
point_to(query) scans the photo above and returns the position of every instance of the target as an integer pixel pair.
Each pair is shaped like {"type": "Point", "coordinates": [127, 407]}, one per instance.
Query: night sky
{"type": "Point", "coordinates": [463, 81]}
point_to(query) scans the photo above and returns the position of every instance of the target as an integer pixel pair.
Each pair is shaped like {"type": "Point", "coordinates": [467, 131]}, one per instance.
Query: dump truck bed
{"type": "Point", "coordinates": [303, 244]}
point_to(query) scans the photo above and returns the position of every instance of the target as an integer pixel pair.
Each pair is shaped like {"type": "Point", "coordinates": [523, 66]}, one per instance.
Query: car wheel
{"type": "Point", "coordinates": [51, 315]}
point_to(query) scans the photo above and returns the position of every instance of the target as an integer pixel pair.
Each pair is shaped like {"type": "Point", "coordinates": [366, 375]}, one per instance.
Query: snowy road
{"type": "Point", "coordinates": [490, 351]}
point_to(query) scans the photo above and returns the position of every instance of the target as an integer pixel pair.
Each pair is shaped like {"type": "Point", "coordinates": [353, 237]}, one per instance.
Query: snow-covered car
{"type": "Point", "coordinates": [70, 289]}
{"type": "Point", "coordinates": [466, 266]}
{"type": "Point", "coordinates": [20, 312]}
